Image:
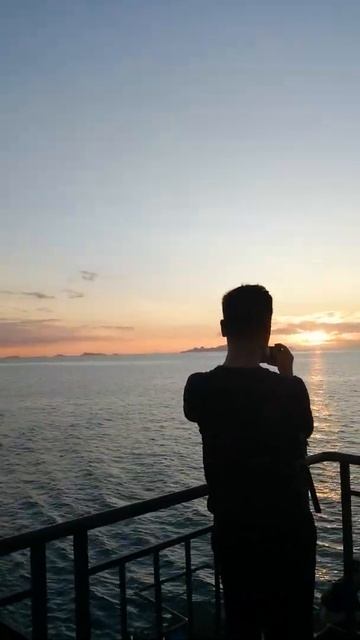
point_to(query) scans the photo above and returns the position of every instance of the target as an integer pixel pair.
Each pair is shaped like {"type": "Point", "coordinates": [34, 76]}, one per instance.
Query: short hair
{"type": "Point", "coordinates": [247, 310]}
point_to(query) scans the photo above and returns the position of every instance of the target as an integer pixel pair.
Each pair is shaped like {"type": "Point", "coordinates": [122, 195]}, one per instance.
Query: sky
{"type": "Point", "coordinates": [155, 154]}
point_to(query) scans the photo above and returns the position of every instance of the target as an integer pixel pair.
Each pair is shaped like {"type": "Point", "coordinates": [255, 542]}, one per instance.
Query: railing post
{"type": "Point", "coordinates": [217, 588]}
{"type": "Point", "coordinates": [313, 494]}
{"type": "Point", "coordinates": [189, 589]}
{"type": "Point", "coordinates": [347, 538]}
{"type": "Point", "coordinates": [346, 520]}
{"type": "Point", "coordinates": [38, 591]}
{"type": "Point", "coordinates": [158, 597]}
{"type": "Point", "coordinates": [82, 586]}
{"type": "Point", "coordinates": [123, 602]}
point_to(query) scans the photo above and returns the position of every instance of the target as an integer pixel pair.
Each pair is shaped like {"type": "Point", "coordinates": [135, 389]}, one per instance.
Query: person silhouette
{"type": "Point", "coordinates": [254, 423]}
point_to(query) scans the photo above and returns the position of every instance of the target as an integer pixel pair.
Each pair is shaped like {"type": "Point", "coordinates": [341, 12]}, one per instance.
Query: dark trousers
{"type": "Point", "coordinates": [268, 581]}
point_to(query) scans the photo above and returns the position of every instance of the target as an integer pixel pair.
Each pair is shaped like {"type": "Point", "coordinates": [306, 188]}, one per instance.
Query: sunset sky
{"type": "Point", "coordinates": [155, 154]}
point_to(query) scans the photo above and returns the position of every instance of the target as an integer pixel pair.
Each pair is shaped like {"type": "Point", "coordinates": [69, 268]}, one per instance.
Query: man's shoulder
{"type": "Point", "coordinates": [291, 386]}
{"type": "Point", "coordinates": [198, 379]}
{"type": "Point", "coordinates": [194, 391]}
{"type": "Point", "coordinates": [296, 383]}
{"type": "Point", "coordinates": [292, 382]}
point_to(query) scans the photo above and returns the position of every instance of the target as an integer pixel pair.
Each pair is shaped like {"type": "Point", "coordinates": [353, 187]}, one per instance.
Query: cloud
{"type": "Point", "coordinates": [333, 328]}
{"type": "Point", "coordinates": [37, 294]}
{"type": "Point", "coordinates": [73, 294]}
{"type": "Point", "coordinates": [33, 294]}
{"type": "Point", "coordinates": [90, 276]}
{"type": "Point", "coordinates": [19, 309]}
{"type": "Point", "coordinates": [35, 321]}
{"type": "Point", "coordinates": [19, 333]}
{"type": "Point", "coordinates": [36, 332]}
{"type": "Point", "coordinates": [117, 327]}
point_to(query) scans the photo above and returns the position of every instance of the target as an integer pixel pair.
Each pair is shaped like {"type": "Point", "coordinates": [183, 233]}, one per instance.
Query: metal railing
{"type": "Point", "coordinates": [345, 461]}
{"type": "Point", "coordinates": [78, 530]}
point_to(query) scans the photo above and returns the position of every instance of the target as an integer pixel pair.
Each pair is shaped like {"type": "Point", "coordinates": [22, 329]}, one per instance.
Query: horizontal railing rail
{"type": "Point", "coordinates": [333, 456]}
{"type": "Point", "coordinates": [146, 551]}
{"type": "Point", "coordinates": [78, 529]}
{"type": "Point", "coordinates": [98, 520]}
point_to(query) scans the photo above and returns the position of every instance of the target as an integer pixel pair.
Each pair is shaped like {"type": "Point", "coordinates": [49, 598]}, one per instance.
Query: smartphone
{"type": "Point", "coordinates": [269, 356]}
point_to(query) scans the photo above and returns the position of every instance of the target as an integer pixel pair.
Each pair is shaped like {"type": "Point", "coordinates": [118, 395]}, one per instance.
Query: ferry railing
{"type": "Point", "coordinates": [346, 492]}
{"type": "Point", "coordinates": [78, 529]}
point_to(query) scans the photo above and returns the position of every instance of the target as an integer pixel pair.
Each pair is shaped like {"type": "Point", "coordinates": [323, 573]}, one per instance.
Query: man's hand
{"type": "Point", "coordinates": [284, 359]}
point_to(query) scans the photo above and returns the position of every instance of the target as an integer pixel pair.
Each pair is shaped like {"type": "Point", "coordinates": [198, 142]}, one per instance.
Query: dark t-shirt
{"type": "Point", "coordinates": [254, 425]}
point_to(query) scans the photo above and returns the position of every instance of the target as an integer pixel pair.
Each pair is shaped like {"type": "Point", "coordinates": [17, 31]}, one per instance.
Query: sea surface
{"type": "Point", "coordinates": [81, 435]}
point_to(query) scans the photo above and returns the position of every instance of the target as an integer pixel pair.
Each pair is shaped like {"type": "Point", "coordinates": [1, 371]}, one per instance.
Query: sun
{"type": "Point", "coordinates": [313, 338]}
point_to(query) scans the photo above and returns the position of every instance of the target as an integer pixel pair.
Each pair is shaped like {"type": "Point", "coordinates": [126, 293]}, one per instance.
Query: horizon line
{"type": "Point", "coordinates": [193, 350]}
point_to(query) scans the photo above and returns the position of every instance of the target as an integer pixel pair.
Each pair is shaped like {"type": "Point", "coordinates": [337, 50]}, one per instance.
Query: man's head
{"type": "Point", "coordinates": [247, 312]}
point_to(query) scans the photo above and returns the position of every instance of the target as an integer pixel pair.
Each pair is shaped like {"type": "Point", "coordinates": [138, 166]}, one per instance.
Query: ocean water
{"type": "Point", "coordinates": [80, 435]}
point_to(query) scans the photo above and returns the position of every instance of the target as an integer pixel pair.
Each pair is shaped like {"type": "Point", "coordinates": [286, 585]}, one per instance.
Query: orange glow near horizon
{"type": "Point", "coordinates": [142, 345]}
{"type": "Point", "coordinates": [33, 338]}
{"type": "Point", "coordinates": [313, 338]}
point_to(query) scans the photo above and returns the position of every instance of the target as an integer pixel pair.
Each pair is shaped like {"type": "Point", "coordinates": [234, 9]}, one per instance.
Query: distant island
{"type": "Point", "coordinates": [87, 354]}
{"type": "Point", "coordinates": [221, 347]}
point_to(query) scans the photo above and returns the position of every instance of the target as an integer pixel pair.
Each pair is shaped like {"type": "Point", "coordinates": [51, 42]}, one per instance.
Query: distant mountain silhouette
{"type": "Point", "coordinates": [221, 347]}
{"type": "Point", "coordinates": [89, 353]}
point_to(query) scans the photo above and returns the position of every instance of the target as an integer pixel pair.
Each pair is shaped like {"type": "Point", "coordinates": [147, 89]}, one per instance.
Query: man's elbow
{"type": "Point", "coordinates": [189, 415]}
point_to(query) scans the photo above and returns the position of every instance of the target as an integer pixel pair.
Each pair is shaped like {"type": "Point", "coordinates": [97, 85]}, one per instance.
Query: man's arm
{"type": "Point", "coordinates": [302, 409]}
{"type": "Point", "coordinates": [301, 401]}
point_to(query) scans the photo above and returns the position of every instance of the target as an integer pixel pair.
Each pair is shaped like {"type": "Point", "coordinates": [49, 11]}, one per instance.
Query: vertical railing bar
{"type": "Point", "coordinates": [189, 587]}
{"type": "Point", "coordinates": [312, 490]}
{"type": "Point", "coordinates": [217, 589]}
{"type": "Point", "coordinates": [348, 549]}
{"type": "Point", "coordinates": [158, 596]}
{"type": "Point", "coordinates": [39, 592]}
{"type": "Point", "coordinates": [123, 602]}
{"type": "Point", "coordinates": [82, 586]}
{"type": "Point", "coordinates": [346, 520]}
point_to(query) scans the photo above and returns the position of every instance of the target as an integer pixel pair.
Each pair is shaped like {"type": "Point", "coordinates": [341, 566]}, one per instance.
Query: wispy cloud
{"type": "Point", "coordinates": [328, 317]}
{"type": "Point", "coordinates": [33, 332]}
{"type": "Point", "coordinates": [74, 294]}
{"type": "Point", "coordinates": [117, 327]}
{"type": "Point", "coordinates": [90, 276]}
{"type": "Point", "coordinates": [16, 333]}
{"type": "Point", "coordinates": [32, 294]}
{"type": "Point", "coordinates": [37, 294]}
{"type": "Point", "coordinates": [333, 325]}
{"type": "Point", "coordinates": [19, 309]}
